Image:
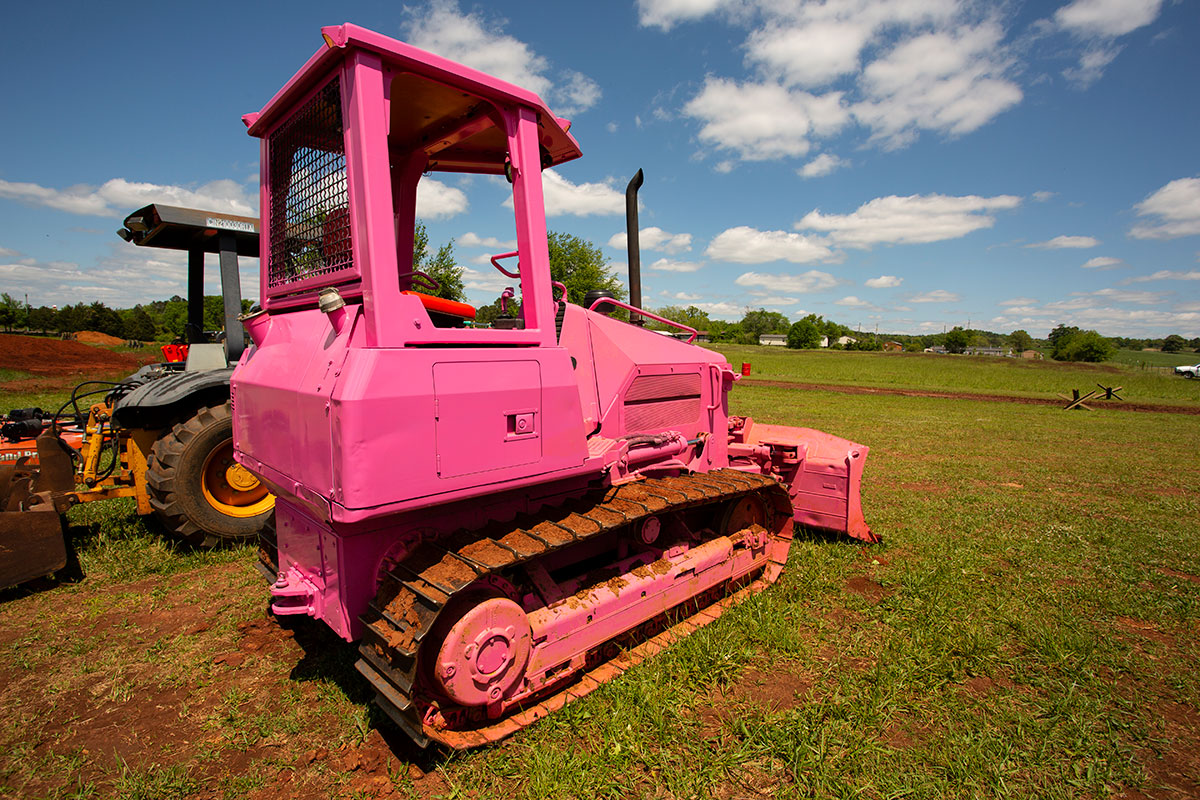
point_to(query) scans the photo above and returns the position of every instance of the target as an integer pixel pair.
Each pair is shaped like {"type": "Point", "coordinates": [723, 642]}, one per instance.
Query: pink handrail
{"type": "Point", "coordinates": [609, 300]}
{"type": "Point", "coordinates": [496, 264]}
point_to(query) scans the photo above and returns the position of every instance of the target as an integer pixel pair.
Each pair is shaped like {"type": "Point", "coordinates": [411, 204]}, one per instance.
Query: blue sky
{"type": "Point", "coordinates": [906, 164]}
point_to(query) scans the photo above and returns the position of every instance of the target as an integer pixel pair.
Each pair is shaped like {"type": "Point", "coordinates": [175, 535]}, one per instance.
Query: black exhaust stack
{"type": "Point", "coordinates": [635, 253]}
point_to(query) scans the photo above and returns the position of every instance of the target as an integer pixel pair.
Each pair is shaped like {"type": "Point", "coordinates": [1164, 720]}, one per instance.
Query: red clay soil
{"type": "Point", "coordinates": [55, 357]}
{"type": "Point", "coordinates": [999, 398]}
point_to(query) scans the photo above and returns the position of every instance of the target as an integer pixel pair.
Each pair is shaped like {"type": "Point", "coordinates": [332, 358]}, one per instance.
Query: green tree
{"type": "Point", "coordinates": [1020, 340]}
{"type": "Point", "coordinates": [756, 323]}
{"type": "Point", "coordinates": [804, 335]}
{"type": "Point", "coordinates": [1083, 346]}
{"type": "Point", "coordinates": [580, 265]}
{"type": "Point", "coordinates": [440, 266]}
{"type": "Point", "coordinates": [1172, 344]}
{"type": "Point", "coordinates": [42, 318]}
{"type": "Point", "coordinates": [139, 325]}
{"type": "Point", "coordinates": [11, 311]}
{"type": "Point", "coordinates": [1060, 333]}
{"type": "Point", "coordinates": [486, 315]}
{"type": "Point", "coordinates": [957, 340]}
{"type": "Point", "coordinates": [690, 316]}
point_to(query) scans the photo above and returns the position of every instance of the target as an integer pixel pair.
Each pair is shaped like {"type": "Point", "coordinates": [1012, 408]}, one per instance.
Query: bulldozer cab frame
{"type": "Point", "coordinates": [200, 232]}
{"type": "Point", "coordinates": [366, 106]}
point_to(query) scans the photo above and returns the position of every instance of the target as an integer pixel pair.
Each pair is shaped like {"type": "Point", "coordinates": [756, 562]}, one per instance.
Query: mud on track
{"type": "Point", "coordinates": [1117, 405]}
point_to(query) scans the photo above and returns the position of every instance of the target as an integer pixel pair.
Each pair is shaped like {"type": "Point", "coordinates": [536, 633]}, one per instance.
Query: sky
{"type": "Point", "coordinates": [895, 165]}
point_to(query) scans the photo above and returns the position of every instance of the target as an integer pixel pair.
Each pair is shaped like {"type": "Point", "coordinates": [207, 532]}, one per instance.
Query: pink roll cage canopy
{"type": "Point", "coordinates": [442, 113]}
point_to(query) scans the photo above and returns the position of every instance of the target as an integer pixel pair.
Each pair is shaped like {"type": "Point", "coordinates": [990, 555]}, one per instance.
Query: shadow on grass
{"type": "Point", "coordinates": [327, 657]}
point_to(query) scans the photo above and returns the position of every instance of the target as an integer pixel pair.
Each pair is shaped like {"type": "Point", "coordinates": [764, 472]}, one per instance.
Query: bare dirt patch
{"type": "Point", "coordinates": [903, 732]}
{"type": "Point", "coordinates": [1173, 764]}
{"type": "Point", "coordinates": [767, 689]}
{"type": "Point", "coordinates": [1148, 630]}
{"type": "Point", "coordinates": [867, 588]}
{"type": "Point", "coordinates": [55, 358]}
{"type": "Point", "coordinates": [1175, 573]}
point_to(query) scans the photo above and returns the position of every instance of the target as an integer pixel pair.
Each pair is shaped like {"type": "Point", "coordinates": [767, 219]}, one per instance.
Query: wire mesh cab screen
{"type": "Point", "coordinates": [310, 212]}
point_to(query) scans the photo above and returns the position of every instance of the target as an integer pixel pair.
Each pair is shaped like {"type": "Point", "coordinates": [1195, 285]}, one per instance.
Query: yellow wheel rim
{"type": "Point", "coordinates": [230, 488]}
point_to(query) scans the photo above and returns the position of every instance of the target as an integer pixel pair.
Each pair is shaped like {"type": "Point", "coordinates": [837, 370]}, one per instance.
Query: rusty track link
{"type": "Point", "coordinates": [413, 593]}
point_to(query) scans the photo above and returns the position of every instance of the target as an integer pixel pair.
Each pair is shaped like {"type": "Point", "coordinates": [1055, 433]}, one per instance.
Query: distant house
{"type": "Point", "coordinates": [892, 347]}
{"type": "Point", "coordinates": [987, 351]}
{"type": "Point", "coordinates": [773, 339]}
{"type": "Point", "coordinates": [937, 348]}
{"type": "Point", "coordinates": [824, 341]}
{"type": "Point", "coordinates": [845, 340]}
{"type": "Point", "coordinates": [1033, 355]}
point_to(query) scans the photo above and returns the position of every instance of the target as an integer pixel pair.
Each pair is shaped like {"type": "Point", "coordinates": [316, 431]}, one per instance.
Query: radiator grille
{"type": "Point", "coordinates": [659, 402]}
{"type": "Point", "coordinates": [310, 219]}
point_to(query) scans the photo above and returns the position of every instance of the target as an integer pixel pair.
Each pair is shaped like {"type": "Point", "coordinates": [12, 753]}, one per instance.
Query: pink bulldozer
{"type": "Point", "coordinates": [504, 516]}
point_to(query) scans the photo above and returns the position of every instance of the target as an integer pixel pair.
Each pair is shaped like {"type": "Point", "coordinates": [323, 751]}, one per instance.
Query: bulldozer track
{"type": "Point", "coordinates": [414, 590]}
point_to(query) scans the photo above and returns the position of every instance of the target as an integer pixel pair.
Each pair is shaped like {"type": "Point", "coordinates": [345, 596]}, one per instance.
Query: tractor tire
{"type": "Point", "coordinates": [197, 490]}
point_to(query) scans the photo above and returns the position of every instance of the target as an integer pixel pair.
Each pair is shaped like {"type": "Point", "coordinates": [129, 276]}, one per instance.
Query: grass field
{"type": "Point", "coordinates": [965, 374]}
{"type": "Point", "coordinates": [1154, 358]}
{"type": "Point", "coordinates": [1030, 627]}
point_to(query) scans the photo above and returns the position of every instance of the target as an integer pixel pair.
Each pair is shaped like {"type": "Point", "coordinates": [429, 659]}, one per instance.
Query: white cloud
{"type": "Point", "coordinates": [1102, 262]}
{"type": "Point", "coordinates": [1018, 301]}
{"type": "Point", "coordinates": [723, 308]}
{"type": "Point", "coordinates": [668, 265]}
{"type": "Point", "coordinates": [952, 82]}
{"type": "Point", "coordinates": [745, 245]}
{"type": "Point", "coordinates": [1091, 65]}
{"type": "Point", "coordinates": [123, 276]}
{"type": "Point", "coordinates": [436, 200]}
{"type": "Point", "coordinates": [804, 283]}
{"type": "Point", "coordinates": [1107, 18]}
{"type": "Point", "coordinates": [1165, 275]}
{"type": "Point", "coordinates": [916, 219]}
{"type": "Point", "coordinates": [471, 239]}
{"type": "Point", "coordinates": [1174, 209]}
{"type": "Point", "coordinates": [665, 13]}
{"type": "Point", "coordinates": [1125, 296]}
{"type": "Point", "coordinates": [883, 282]}
{"type": "Point", "coordinates": [612, 127]}
{"type": "Point", "coordinates": [581, 200]}
{"type": "Point", "coordinates": [478, 42]}
{"type": "Point", "coordinates": [118, 196]}
{"type": "Point", "coordinates": [764, 120]}
{"type": "Point", "coordinates": [1060, 242]}
{"type": "Point", "coordinates": [821, 165]}
{"type": "Point", "coordinates": [936, 296]}
{"type": "Point", "coordinates": [853, 302]}
{"type": "Point", "coordinates": [685, 296]}
{"type": "Point", "coordinates": [812, 53]}
{"type": "Point", "coordinates": [1099, 22]}
{"type": "Point", "coordinates": [1042, 197]}
{"type": "Point", "coordinates": [774, 300]}
{"type": "Point", "coordinates": [654, 239]}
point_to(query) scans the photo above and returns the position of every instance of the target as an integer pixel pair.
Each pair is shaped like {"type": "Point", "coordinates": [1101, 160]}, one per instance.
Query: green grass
{"type": "Point", "coordinates": [1033, 624]}
{"type": "Point", "coordinates": [1155, 358]}
{"type": "Point", "coordinates": [946, 373]}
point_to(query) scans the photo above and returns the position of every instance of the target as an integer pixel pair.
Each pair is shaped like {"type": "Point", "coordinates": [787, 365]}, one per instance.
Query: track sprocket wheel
{"type": "Point", "coordinates": [196, 488]}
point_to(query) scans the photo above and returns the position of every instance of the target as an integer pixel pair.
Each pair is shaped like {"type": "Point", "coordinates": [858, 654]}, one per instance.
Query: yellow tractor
{"type": "Point", "coordinates": [162, 436]}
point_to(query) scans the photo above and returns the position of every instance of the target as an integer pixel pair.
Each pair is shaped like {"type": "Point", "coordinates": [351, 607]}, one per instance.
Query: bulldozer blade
{"type": "Point", "coordinates": [32, 545]}
{"type": "Point", "coordinates": [56, 472]}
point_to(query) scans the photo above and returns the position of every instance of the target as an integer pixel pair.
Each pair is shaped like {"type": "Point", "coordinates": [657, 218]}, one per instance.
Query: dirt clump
{"type": "Point", "coordinates": [96, 337]}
